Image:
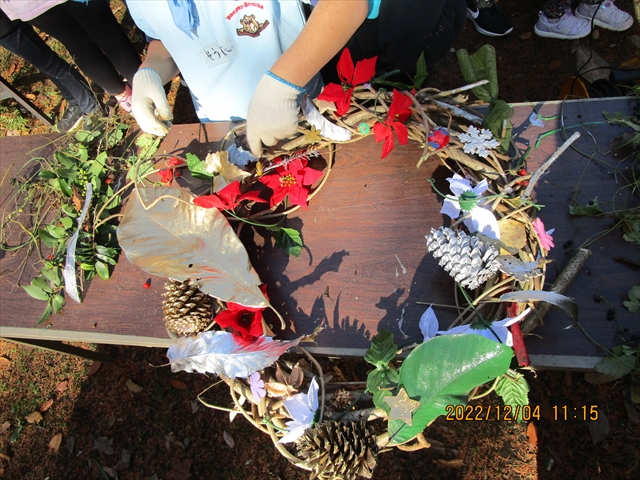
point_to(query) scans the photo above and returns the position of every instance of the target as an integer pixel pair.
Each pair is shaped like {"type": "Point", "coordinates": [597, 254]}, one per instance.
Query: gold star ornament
{"type": "Point", "coordinates": [402, 407]}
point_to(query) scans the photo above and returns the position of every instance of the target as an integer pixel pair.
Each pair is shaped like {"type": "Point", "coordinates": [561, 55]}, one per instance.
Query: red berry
{"type": "Point", "coordinates": [176, 173]}
{"type": "Point", "coordinates": [147, 284]}
{"type": "Point", "coordinates": [108, 181]}
{"type": "Point", "coordinates": [522, 172]}
{"type": "Point", "coordinates": [525, 183]}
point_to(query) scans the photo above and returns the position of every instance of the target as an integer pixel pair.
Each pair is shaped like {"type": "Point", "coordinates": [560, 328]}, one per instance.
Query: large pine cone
{"type": "Point", "coordinates": [339, 451]}
{"type": "Point", "coordinates": [468, 260]}
{"type": "Point", "coordinates": [187, 310]}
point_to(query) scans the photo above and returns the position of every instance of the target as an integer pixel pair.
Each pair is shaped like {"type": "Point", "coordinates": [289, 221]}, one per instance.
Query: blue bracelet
{"type": "Point", "coordinates": [282, 80]}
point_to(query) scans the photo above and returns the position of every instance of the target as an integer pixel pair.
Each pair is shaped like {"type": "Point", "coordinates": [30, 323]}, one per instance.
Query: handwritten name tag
{"type": "Point", "coordinates": [219, 53]}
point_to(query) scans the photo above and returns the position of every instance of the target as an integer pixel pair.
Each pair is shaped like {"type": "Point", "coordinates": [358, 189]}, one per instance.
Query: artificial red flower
{"type": "Point", "coordinates": [228, 198]}
{"type": "Point", "coordinates": [244, 322]}
{"type": "Point", "coordinates": [291, 179]}
{"type": "Point", "coordinates": [167, 174]}
{"type": "Point", "coordinates": [438, 138]}
{"type": "Point", "coordinates": [350, 77]}
{"type": "Point", "coordinates": [398, 112]}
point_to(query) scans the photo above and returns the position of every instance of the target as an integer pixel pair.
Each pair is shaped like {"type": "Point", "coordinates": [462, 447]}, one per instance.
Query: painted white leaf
{"type": "Point", "coordinates": [565, 303]}
{"type": "Point", "coordinates": [220, 353]}
{"type": "Point", "coordinates": [518, 269]}
{"type": "Point", "coordinates": [179, 240]}
{"type": "Point", "coordinates": [324, 126]}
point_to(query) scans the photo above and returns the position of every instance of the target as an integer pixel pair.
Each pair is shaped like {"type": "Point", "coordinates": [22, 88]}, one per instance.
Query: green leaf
{"type": "Point", "coordinates": [382, 349]}
{"type": "Point", "coordinates": [85, 136]}
{"type": "Point", "coordinates": [46, 174]}
{"type": "Point", "coordinates": [197, 167]}
{"type": "Point", "coordinates": [102, 270]}
{"type": "Point", "coordinates": [52, 274]}
{"type": "Point", "coordinates": [290, 241]}
{"type": "Point", "coordinates": [106, 259]}
{"type": "Point", "coordinates": [87, 267]}
{"type": "Point", "coordinates": [589, 209]}
{"type": "Point", "coordinates": [64, 186]}
{"type": "Point", "coordinates": [148, 145]}
{"type": "Point", "coordinates": [98, 164]}
{"type": "Point", "coordinates": [513, 389]}
{"type": "Point", "coordinates": [497, 120]}
{"type": "Point", "coordinates": [67, 223]}
{"type": "Point", "coordinates": [46, 314]}
{"type": "Point", "coordinates": [36, 292]}
{"type": "Point", "coordinates": [633, 304]}
{"type": "Point", "coordinates": [56, 231]}
{"type": "Point", "coordinates": [421, 72]}
{"type": "Point", "coordinates": [69, 210]}
{"type": "Point", "coordinates": [617, 366]}
{"type": "Point", "coordinates": [442, 371]}
{"type": "Point", "coordinates": [375, 379]}
{"type": "Point", "coordinates": [57, 302]}
{"type": "Point", "coordinates": [83, 152]}
{"type": "Point", "coordinates": [47, 239]}
{"type": "Point", "coordinates": [67, 173]}
{"type": "Point", "coordinates": [42, 284]}
{"type": "Point", "coordinates": [480, 66]}
{"type": "Point", "coordinates": [65, 160]}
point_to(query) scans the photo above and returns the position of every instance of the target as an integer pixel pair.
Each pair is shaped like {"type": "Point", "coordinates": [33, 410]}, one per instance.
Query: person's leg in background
{"type": "Point", "coordinates": [58, 23]}
{"type": "Point", "coordinates": [25, 42]}
{"type": "Point", "coordinates": [488, 18]}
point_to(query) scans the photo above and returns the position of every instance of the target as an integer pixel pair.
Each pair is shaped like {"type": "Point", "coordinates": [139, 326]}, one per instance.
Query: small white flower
{"type": "Point", "coordinates": [429, 324]}
{"type": "Point", "coordinates": [535, 120]}
{"type": "Point", "coordinates": [478, 216]}
{"type": "Point", "coordinates": [301, 408]}
{"type": "Point", "coordinates": [498, 329]}
{"type": "Point", "coordinates": [477, 141]}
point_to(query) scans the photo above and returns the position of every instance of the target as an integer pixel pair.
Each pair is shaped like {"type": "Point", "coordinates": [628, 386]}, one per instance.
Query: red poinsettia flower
{"type": "Point", "coordinates": [244, 322]}
{"type": "Point", "coordinates": [291, 179]}
{"type": "Point", "coordinates": [168, 174]}
{"type": "Point", "coordinates": [398, 113]}
{"type": "Point", "coordinates": [228, 198]}
{"type": "Point", "coordinates": [350, 77]}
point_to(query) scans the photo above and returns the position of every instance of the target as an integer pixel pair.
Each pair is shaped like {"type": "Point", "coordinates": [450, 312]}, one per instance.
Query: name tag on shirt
{"type": "Point", "coordinates": [219, 53]}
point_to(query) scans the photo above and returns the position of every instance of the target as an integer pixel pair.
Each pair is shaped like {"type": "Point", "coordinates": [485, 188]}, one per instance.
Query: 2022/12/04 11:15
{"type": "Point", "coordinates": [585, 412]}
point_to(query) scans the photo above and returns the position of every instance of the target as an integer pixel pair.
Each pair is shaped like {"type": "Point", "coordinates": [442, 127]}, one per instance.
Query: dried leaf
{"type": "Point", "coordinates": [134, 387]}
{"type": "Point", "coordinates": [311, 338]}
{"type": "Point", "coordinates": [226, 171]}
{"type": "Point", "coordinates": [46, 405]}
{"type": "Point", "coordinates": [532, 434]}
{"type": "Point", "coordinates": [4, 362]}
{"type": "Point", "coordinates": [70, 443]}
{"type": "Point", "coordinates": [111, 421]}
{"type": "Point", "coordinates": [599, 428]}
{"type": "Point", "coordinates": [296, 377]}
{"type": "Point", "coordinates": [177, 239]}
{"type": "Point", "coordinates": [195, 406]}
{"type": "Point", "coordinates": [220, 353]}
{"type": "Point", "coordinates": [104, 445]}
{"type": "Point", "coordinates": [526, 36]}
{"type": "Point", "coordinates": [595, 34]}
{"type": "Point", "coordinates": [280, 375]}
{"type": "Point", "coordinates": [95, 366]}
{"type": "Point", "coordinates": [33, 417]}
{"type": "Point", "coordinates": [512, 233]}
{"type": "Point", "coordinates": [277, 389]}
{"type": "Point", "coordinates": [5, 427]}
{"type": "Point", "coordinates": [178, 385]}
{"type": "Point", "coordinates": [62, 386]}
{"type": "Point", "coordinates": [555, 65]}
{"type": "Point", "coordinates": [229, 439]}
{"type": "Point", "coordinates": [54, 443]}
{"type": "Point", "coordinates": [124, 462]}
{"type": "Point", "coordinates": [518, 269]}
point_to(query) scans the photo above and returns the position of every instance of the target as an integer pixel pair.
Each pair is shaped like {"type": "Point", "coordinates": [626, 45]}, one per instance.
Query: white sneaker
{"type": "Point", "coordinates": [607, 15]}
{"type": "Point", "coordinates": [567, 27]}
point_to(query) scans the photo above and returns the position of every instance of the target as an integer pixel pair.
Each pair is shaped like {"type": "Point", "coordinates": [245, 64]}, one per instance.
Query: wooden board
{"type": "Point", "coordinates": [365, 264]}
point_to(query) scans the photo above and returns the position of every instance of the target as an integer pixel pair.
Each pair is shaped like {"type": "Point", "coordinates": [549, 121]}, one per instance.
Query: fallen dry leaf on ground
{"type": "Point", "coordinates": [62, 386]}
{"type": "Point", "coordinates": [95, 366]}
{"type": "Point", "coordinates": [177, 384]}
{"type": "Point", "coordinates": [5, 427]}
{"type": "Point", "coordinates": [555, 65]}
{"type": "Point", "coordinates": [229, 439]}
{"type": "Point", "coordinates": [134, 387]}
{"type": "Point", "coordinates": [532, 434]}
{"type": "Point", "coordinates": [104, 445]}
{"type": "Point", "coordinates": [599, 429]}
{"type": "Point", "coordinates": [526, 36]}
{"type": "Point", "coordinates": [46, 405]}
{"type": "Point", "coordinates": [54, 443]}
{"type": "Point", "coordinates": [33, 417]}
{"type": "Point", "coordinates": [4, 362]}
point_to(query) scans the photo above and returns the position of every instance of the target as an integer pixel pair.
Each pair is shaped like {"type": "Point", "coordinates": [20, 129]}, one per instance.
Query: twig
{"type": "Point", "coordinates": [447, 93]}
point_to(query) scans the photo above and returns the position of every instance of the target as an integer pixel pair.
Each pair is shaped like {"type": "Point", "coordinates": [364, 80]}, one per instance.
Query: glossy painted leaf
{"type": "Point", "coordinates": [442, 371]}
{"type": "Point", "coordinates": [565, 303]}
{"type": "Point", "coordinates": [382, 349]}
{"type": "Point", "coordinates": [222, 354]}
{"type": "Point", "coordinates": [180, 240]}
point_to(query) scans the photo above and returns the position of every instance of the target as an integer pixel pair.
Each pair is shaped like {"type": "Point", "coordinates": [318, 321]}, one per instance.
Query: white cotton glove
{"type": "Point", "coordinates": [147, 97]}
{"type": "Point", "coordinates": [273, 112]}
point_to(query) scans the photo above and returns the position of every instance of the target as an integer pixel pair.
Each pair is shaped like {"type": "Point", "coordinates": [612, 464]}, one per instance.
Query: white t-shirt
{"type": "Point", "coordinates": [234, 45]}
{"type": "Point", "coordinates": [26, 10]}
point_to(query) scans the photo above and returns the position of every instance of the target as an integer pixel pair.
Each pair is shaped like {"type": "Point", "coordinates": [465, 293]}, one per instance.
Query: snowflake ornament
{"type": "Point", "coordinates": [478, 141]}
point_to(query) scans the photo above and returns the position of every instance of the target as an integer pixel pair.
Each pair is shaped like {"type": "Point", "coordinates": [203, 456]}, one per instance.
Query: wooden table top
{"type": "Point", "coordinates": [365, 265]}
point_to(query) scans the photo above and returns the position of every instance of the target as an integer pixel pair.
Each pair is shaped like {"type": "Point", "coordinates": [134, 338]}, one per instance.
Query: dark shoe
{"type": "Point", "coordinates": [71, 118]}
{"type": "Point", "coordinates": [490, 21]}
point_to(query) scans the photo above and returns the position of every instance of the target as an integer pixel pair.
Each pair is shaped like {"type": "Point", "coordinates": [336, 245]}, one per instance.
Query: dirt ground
{"type": "Point", "coordinates": [134, 419]}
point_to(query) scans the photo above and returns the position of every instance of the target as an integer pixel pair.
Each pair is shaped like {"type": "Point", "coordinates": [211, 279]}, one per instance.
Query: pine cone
{"type": "Point", "coordinates": [341, 400]}
{"type": "Point", "coordinates": [468, 260]}
{"type": "Point", "coordinates": [187, 310]}
{"type": "Point", "coordinates": [339, 451]}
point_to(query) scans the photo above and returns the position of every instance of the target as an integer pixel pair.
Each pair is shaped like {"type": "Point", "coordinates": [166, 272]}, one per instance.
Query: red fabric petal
{"type": "Point", "coordinates": [298, 196]}
{"type": "Point", "coordinates": [365, 70]}
{"type": "Point", "coordinates": [401, 132]}
{"type": "Point", "coordinates": [332, 93]}
{"type": "Point", "coordinates": [272, 181]}
{"type": "Point", "coordinates": [175, 162]}
{"type": "Point", "coordinates": [253, 196]}
{"type": "Point", "coordinates": [229, 193]}
{"type": "Point", "coordinates": [278, 196]}
{"type": "Point", "coordinates": [383, 132]}
{"type": "Point", "coordinates": [399, 108]}
{"type": "Point", "coordinates": [166, 176]}
{"type": "Point", "coordinates": [210, 201]}
{"type": "Point", "coordinates": [345, 67]}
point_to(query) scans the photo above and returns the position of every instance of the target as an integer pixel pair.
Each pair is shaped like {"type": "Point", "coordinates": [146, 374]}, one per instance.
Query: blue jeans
{"type": "Point", "coordinates": [24, 42]}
